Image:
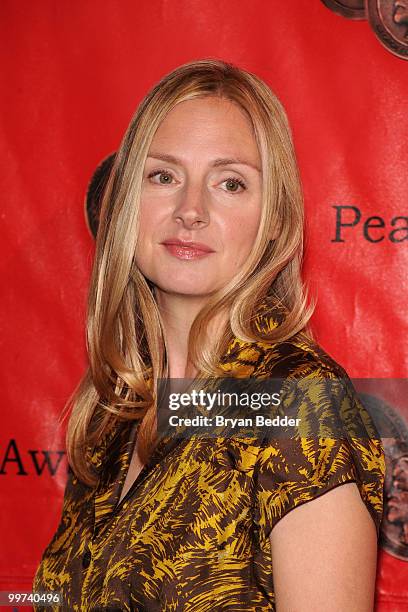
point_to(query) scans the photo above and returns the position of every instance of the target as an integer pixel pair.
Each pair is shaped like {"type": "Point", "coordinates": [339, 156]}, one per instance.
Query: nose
{"type": "Point", "coordinates": [191, 209]}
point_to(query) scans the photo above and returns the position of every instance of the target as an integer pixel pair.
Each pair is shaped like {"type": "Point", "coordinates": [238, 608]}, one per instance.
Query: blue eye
{"type": "Point", "coordinates": [235, 183]}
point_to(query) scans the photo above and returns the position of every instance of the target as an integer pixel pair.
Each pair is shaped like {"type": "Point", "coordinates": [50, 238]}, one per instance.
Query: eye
{"type": "Point", "coordinates": [165, 177]}
{"type": "Point", "coordinates": [233, 184]}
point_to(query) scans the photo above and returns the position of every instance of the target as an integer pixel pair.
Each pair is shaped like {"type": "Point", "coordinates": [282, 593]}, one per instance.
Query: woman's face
{"type": "Point", "coordinates": [201, 198]}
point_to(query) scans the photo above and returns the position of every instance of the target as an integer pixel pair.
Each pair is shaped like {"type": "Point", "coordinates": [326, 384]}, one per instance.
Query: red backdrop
{"type": "Point", "coordinates": [73, 74]}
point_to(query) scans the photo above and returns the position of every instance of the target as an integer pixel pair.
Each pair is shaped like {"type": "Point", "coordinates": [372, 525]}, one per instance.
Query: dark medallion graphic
{"type": "Point", "coordinates": [394, 434]}
{"type": "Point", "coordinates": [95, 191]}
{"type": "Point", "coordinates": [389, 20]}
{"type": "Point", "coordinates": [400, 15]}
{"type": "Point", "coordinates": [352, 9]}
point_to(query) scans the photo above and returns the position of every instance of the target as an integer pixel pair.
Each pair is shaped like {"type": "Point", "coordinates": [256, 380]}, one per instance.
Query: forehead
{"type": "Point", "coordinates": [209, 122]}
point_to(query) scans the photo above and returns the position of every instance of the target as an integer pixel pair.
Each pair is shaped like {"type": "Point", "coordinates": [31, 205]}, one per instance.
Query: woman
{"type": "Point", "coordinates": [197, 274]}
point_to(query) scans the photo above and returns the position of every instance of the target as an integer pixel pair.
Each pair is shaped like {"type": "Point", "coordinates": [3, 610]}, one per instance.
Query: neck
{"type": "Point", "coordinates": [178, 313]}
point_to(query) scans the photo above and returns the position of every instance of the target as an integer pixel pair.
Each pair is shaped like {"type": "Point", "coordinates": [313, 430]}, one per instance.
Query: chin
{"type": "Point", "coordinates": [187, 282]}
{"type": "Point", "coordinates": [187, 288]}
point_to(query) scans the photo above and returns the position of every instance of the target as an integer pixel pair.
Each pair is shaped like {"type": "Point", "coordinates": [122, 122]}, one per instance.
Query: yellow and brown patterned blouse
{"type": "Point", "coordinates": [192, 533]}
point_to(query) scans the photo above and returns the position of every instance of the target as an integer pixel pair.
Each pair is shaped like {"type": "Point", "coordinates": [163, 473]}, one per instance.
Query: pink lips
{"type": "Point", "coordinates": [186, 250]}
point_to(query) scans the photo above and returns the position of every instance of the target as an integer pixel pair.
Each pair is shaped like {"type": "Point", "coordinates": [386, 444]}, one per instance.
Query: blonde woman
{"type": "Point", "coordinates": [197, 274]}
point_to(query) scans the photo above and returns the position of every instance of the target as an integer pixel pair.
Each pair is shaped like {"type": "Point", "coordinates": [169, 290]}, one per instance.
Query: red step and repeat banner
{"type": "Point", "coordinates": [72, 74]}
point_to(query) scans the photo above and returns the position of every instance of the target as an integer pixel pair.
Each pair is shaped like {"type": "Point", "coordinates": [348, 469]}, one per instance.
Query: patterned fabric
{"type": "Point", "coordinates": [192, 533]}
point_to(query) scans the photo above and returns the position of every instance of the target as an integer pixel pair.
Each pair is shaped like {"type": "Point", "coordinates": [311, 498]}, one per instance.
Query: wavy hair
{"type": "Point", "coordinates": [125, 338]}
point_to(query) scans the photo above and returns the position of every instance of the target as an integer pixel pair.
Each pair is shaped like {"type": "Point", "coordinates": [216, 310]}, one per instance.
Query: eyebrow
{"type": "Point", "coordinates": [220, 161]}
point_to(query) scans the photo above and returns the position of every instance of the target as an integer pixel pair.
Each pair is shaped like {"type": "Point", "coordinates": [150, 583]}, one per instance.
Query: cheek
{"type": "Point", "coordinates": [145, 227]}
{"type": "Point", "coordinates": [146, 236]}
{"type": "Point", "coordinates": [151, 216]}
{"type": "Point", "coordinates": [241, 230]}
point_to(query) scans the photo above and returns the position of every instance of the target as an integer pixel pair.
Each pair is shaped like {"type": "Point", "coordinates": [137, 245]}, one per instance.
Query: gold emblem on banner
{"type": "Point", "coordinates": [387, 18]}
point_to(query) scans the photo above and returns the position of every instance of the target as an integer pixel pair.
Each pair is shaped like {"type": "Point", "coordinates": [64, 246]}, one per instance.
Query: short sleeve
{"type": "Point", "coordinates": [336, 442]}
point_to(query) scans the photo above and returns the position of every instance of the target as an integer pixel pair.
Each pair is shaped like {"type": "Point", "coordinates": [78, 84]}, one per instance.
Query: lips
{"type": "Point", "coordinates": [186, 250]}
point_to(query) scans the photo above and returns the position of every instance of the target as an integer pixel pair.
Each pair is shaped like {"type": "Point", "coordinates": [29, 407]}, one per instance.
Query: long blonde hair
{"type": "Point", "coordinates": [125, 338]}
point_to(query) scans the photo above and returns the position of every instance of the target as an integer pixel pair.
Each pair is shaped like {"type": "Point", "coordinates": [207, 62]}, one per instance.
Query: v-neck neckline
{"type": "Point", "coordinates": [115, 467]}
